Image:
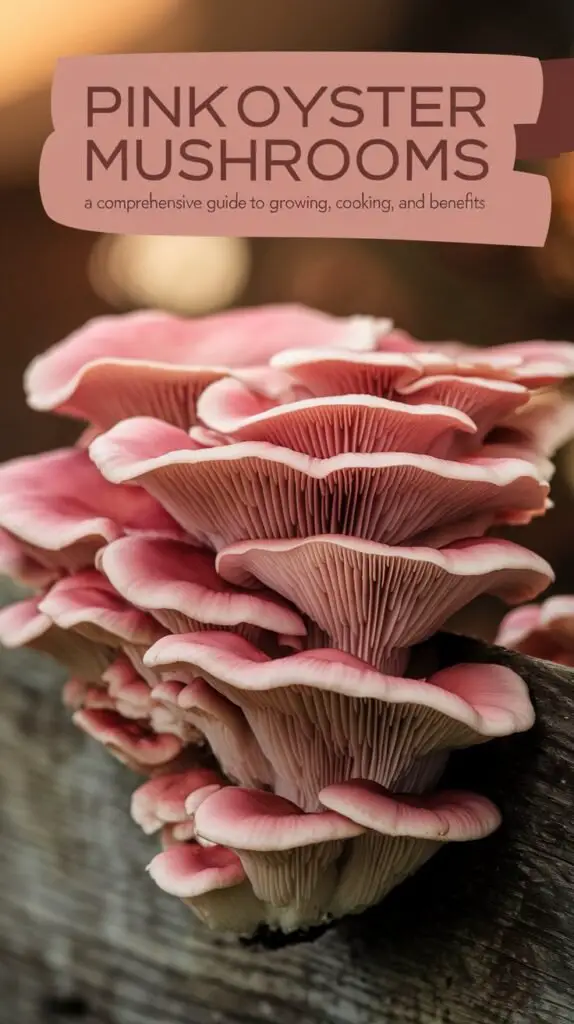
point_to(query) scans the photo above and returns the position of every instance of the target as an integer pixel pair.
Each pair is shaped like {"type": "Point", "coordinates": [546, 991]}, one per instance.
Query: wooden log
{"type": "Point", "coordinates": [484, 934]}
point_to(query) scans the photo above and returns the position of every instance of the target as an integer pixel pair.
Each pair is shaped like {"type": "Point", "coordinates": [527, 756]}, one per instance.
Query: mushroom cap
{"type": "Point", "coordinates": [253, 489]}
{"type": "Point", "coordinates": [188, 870]}
{"type": "Point", "coordinates": [180, 584]}
{"type": "Point", "coordinates": [151, 363]}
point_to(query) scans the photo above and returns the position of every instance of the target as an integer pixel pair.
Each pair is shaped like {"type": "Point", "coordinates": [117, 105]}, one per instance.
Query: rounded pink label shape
{"type": "Point", "coordinates": [361, 145]}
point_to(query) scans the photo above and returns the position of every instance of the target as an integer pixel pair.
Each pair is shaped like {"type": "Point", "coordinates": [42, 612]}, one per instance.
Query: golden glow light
{"type": "Point", "coordinates": [189, 276]}
{"type": "Point", "coordinates": [35, 33]}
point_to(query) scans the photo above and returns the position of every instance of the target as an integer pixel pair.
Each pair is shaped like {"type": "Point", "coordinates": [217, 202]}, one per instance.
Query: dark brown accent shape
{"type": "Point", "coordinates": [553, 133]}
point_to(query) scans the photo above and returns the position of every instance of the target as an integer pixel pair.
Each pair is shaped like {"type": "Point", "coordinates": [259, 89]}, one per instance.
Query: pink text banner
{"type": "Point", "coordinates": [356, 145]}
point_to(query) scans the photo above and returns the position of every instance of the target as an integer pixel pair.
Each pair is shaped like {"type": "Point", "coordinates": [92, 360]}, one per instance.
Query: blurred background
{"type": "Point", "coordinates": [53, 278]}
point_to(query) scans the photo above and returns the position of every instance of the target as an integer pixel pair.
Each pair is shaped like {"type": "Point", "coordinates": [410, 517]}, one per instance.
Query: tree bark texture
{"type": "Point", "coordinates": [484, 934]}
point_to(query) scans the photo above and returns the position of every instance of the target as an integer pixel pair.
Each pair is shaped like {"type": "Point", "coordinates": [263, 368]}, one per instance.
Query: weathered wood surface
{"type": "Point", "coordinates": [483, 935]}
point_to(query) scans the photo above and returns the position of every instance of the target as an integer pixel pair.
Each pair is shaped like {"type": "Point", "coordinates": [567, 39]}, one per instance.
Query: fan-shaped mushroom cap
{"type": "Point", "coordinates": [322, 711]}
{"type": "Point", "coordinates": [153, 364]}
{"type": "Point", "coordinates": [59, 504]}
{"type": "Point", "coordinates": [542, 631]}
{"type": "Point", "coordinates": [180, 586]}
{"type": "Point", "coordinates": [165, 799]}
{"type": "Point", "coordinates": [373, 600]}
{"type": "Point", "coordinates": [24, 624]}
{"type": "Point", "coordinates": [129, 741]}
{"type": "Point", "coordinates": [324, 427]}
{"type": "Point", "coordinates": [252, 489]}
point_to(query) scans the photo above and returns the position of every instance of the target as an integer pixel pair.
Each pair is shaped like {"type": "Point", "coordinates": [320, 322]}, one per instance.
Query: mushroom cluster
{"type": "Point", "coordinates": [268, 515]}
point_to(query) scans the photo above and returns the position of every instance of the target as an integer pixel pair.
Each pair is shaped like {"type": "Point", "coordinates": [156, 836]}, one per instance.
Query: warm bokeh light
{"type": "Point", "coordinates": [184, 275]}
{"type": "Point", "coordinates": [555, 261]}
{"type": "Point", "coordinates": [35, 33]}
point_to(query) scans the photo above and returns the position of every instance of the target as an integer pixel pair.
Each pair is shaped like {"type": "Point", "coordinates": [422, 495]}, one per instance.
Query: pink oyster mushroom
{"type": "Point", "coordinates": [541, 630]}
{"type": "Point", "coordinates": [266, 512]}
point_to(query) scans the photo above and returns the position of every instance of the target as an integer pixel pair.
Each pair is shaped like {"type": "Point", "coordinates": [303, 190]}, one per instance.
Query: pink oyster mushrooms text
{"type": "Point", "coordinates": [265, 512]}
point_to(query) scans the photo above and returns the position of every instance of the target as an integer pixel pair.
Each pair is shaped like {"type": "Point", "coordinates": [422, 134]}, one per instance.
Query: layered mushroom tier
{"type": "Point", "coordinates": [267, 518]}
